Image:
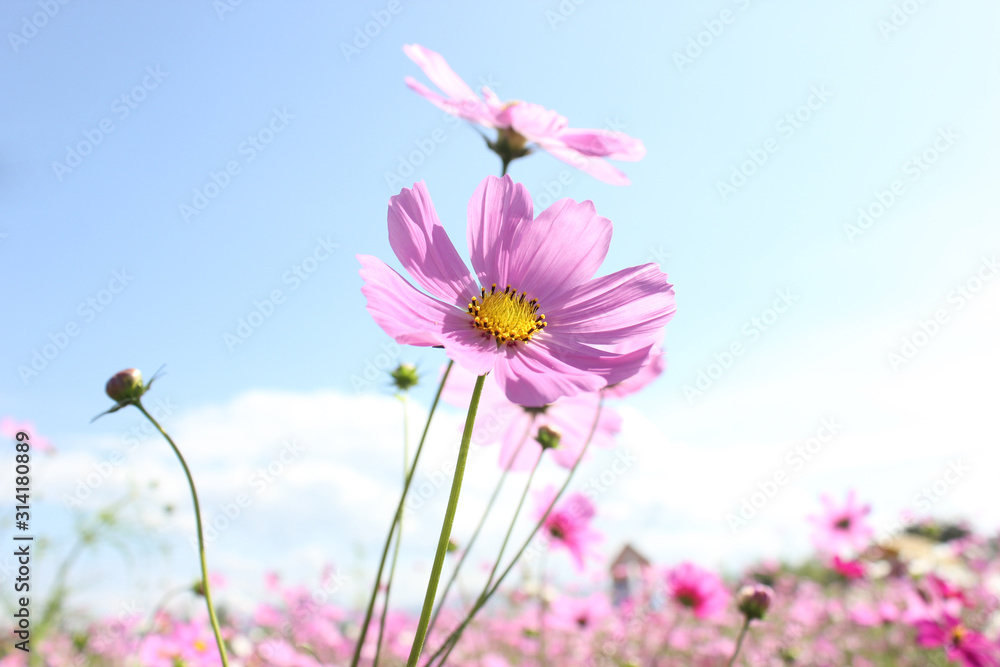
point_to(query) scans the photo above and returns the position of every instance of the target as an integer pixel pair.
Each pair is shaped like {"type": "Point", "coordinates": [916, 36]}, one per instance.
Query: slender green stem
{"type": "Point", "coordinates": [542, 609]}
{"type": "Point", "coordinates": [397, 518]}
{"type": "Point", "coordinates": [510, 528]}
{"type": "Point", "coordinates": [453, 638]}
{"type": "Point", "coordinates": [739, 642]}
{"type": "Point", "coordinates": [399, 533]}
{"type": "Point", "coordinates": [449, 520]}
{"type": "Point", "coordinates": [475, 533]}
{"type": "Point", "coordinates": [201, 539]}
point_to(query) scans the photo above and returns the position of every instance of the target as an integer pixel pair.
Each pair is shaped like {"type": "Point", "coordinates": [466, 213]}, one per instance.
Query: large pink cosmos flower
{"type": "Point", "coordinates": [520, 123]}
{"type": "Point", "coordinates": [698, 589]}
{"type": "Point", "coordinates": [540, 320]}
{"type": "Point", "coordinates": [516, 427]}
{"type": "Point", "coordinates": [568, 525]}
{"type": "Point", "coordinates": [961, 644]}
{"type": "Point", "coordinates": [839, 529]}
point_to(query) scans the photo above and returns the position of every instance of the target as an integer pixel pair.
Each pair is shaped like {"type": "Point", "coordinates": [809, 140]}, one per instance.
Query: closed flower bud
{"type": "Point", "coordinates": [548, 438]}
{"type": "Point", "coordinates": [125, 386]}
{"type": "Point", "coordinates": [405, 376]}
{"type": "Point", "coordinates": [754, 600]}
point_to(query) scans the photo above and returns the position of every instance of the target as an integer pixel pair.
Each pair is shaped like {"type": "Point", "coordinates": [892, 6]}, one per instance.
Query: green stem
{"type": "Point", "coordinates": [510, 528]}
{"type": "Point", "coordinates": [397, 518]}
{"type": "Point", "coordinates": [201, 539]}
{"type": "Point", "coordinates": [449, 520]}
{"type": "Point", "coordinates": [475, 534]}
{"type": "Point", "coordinates": [399, 533]}
{"type": "Point", "coordinates": [739, 642]}
{"type": "Point", "coordinates": [453, 638]}
{"type": "Point", "coordinates": [541, 613]}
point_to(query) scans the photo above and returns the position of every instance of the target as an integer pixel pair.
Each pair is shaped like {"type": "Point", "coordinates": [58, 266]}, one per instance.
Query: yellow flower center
{"type": "Point", "coordinates": [200, 646]}
{"type": "Point", "coordinates": [507, 315]}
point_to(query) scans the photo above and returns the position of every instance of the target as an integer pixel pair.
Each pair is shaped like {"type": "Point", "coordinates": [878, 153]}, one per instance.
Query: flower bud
{"type": "Point", "coordinates": [753, 600]}
{"type": "Point", "coordinates": [125, 385]}
{"type": "Point", "coordinates": [548, 438]}
{"type": "Point", "coordinates": [405, 376]}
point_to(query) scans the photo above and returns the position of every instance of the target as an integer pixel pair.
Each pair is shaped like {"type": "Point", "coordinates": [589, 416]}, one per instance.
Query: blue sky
{"type": "Point", "coordinates": [844, 100]}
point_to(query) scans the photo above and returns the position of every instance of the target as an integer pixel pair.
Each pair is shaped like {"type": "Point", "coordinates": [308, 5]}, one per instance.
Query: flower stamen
{"type": "Point", "coordinates": [508, 316]}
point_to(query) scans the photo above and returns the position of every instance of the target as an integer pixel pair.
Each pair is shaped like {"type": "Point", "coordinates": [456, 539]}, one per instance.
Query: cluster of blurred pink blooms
{"type": "Point", "coordinates": [912, 600]}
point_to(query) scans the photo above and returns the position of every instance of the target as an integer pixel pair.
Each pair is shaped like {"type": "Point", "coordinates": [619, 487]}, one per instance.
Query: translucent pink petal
{"type": "Point", "coordinates": [404, 312]}
{"type": "Point", "coordinates": [424, 249]}
{"type": "Point", "coordinates": [438, 71]}
{"type": "Point", "coordinates": [473, 110]}
{"type": "Point", "coordinates": [655, 364]}
{"type": "Point", "coordinates": [498, 210]}
{"type": "Point", "coordinates": [633, 303]}
{"type": "Point", "coordinates": [519, 450]}
{"type": "Point", "coordinates": [531, 376]}
{"type": "Point", "coordinates": [467, 346]}
{"type": "Point", "coordinates": [611, 366]}
{"type": "Point", "coordinates": [603, 143]}
{"type": "Point", "coordinates": [559, 251]}
{"type": "Point", "coordinates": [533, 121]}
{"type": "Point", "coordinates": [595, 166]}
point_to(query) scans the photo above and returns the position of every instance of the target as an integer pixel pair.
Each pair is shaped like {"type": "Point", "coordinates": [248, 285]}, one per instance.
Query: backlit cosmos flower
{"type": "Point", "coordinates": [519, 124]}
{"type": "Point", "coordinates": [537, 317]}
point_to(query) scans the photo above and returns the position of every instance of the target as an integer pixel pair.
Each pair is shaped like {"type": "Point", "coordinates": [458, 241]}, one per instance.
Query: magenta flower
{"type": "Point", "coordinates": [698, 589]}
{"type": "Point", "coordinates": [840, 529]}
{"type": "Point", "coordinates": [568, 525]}
{"type": "Point", "coordinates": [540, 320]}
{"type": "Point", "coordinates": [516, 427]}
{"type": "Point", "coordinates": [520, 123]}
{"type": "Point", "coordinates": [960, 644]}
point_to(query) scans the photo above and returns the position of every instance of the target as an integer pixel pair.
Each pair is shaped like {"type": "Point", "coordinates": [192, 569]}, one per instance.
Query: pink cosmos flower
{"type": "Point", "coordinates": [849, 569]}
{"type": "Point", "coordinates": [960, 643]}
{"type": "Point", "coordinates": [520, 123]}
{"type": "Point", "coordinates": [568, 525]}
{"type": "Point", "coordinates": [840, 529]}
{"type": "Point", "coordinates": [516, 427]}
{"type": "Point", "coordinates": [541, 321]}
{"type": "Point", "coordinates": [700, 590]}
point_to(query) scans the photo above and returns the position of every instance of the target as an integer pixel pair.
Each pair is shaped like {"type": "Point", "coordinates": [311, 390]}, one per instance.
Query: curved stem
{"type": "Point", "coordinates": [453, 638]}
{"type": "Point", "coordinates": [397, 518]}
{"type": "Point", "coordinates": [399, 533]}
{"type": "Point", "coordinates": [475, 533]}
{"type": "Point", "coordinates": [201, 539]}
{"type": "Point", "coordinates": [510, 528]}
{"type": "Point", "coordinates": [449, 520]}
{"type": "Point", "coordinates": [739, 643]}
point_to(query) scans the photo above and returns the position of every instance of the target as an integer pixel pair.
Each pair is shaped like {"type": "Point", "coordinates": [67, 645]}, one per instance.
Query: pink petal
{"type": "Point", "coordinates": [595, 166]}
{"type": "Point", "coordinates": [633, 303]}
{"type": "Point", "coordinates": [498, 210]}
{"type": "Point", "coordinates": [403, 311]}
{"type": "Point", "coordinates": [424, 249]}
{"type": "Point", "coordinates": [467, 346]}
{"type": "Point", "coordinates": [533, 121]}
{"type": "Point", "coordinates": [531, 376]}
{"type": "Point", "coordinates": [603, 143]}
{"type": "Point", "coordinates": [474, 111]}
{"type": "Point", "coordinates": [611, 366]}
{"type": "Point", "coordinates": [438, 71]}
{"type": "Point", "coordinates": [558, 251]}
